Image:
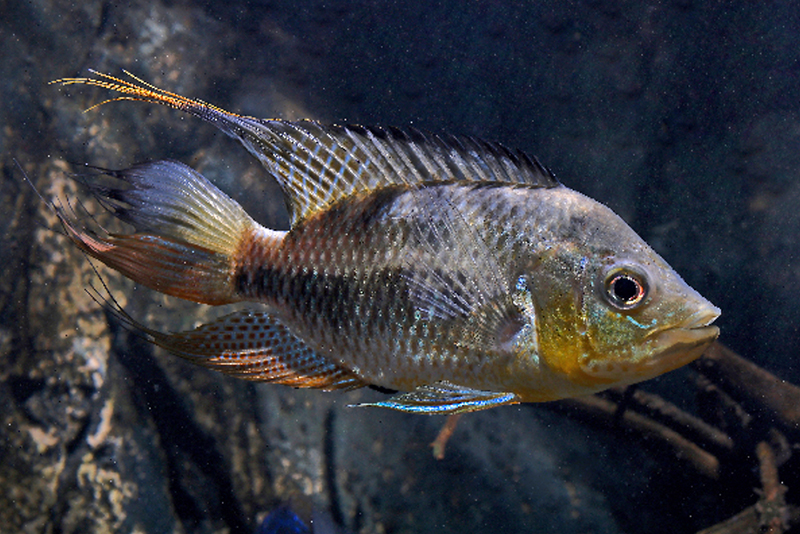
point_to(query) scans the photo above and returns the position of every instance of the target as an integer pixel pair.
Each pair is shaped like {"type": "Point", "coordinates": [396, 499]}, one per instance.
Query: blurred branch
{"type": "Point", "coordinates": [748, 402]}
{"type": "Point", "coordinates": [444, 435]}
{"type": "Point", "coordinates": [755, 387]}
{"type": "Point", "coordinates": [771, 506]}
{"type": "Point", "coordinates": [690, 426]}
{"type": "Point", "coordinates": [606, 411]}
{"type": "Point", "coordinates": [721, 407]}
{"type": "Point", "coordinates": [771, 514]}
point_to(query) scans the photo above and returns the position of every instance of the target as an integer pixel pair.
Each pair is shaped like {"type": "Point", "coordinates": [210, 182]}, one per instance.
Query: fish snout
{"type": "Point", "coordinates": [702, 317]}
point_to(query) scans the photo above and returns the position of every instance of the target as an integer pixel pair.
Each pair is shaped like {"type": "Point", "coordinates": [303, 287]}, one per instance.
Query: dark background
{"type": "Point", "coordinates": [681, 115]}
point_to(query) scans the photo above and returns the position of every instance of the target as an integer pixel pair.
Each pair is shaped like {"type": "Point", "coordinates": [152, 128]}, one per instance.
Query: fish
{"type": "Point", "coordinates": [452, 272]}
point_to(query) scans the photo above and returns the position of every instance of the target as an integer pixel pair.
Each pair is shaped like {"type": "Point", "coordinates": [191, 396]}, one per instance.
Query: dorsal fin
{"type": "Point", "coordinates": [317, 165]}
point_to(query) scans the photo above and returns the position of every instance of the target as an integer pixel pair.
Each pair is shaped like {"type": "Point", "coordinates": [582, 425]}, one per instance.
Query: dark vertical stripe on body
{"type": "Point", "coordinates": [333, 292]}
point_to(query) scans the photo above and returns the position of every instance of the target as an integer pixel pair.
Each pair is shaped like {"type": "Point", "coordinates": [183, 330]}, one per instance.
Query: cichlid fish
{"type": "Point", "coordinates": [458, 272]}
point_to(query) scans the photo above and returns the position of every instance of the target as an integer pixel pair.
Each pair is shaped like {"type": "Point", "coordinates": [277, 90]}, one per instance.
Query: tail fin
{"type": "Point", "coordinates": [187, 232]}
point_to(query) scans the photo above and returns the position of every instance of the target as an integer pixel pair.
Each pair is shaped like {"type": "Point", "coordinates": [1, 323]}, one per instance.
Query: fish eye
{"type": "Point", "coordinates": [625, 289]}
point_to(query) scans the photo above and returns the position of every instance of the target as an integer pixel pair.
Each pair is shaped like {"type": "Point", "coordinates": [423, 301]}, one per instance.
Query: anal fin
{"type": "Point", "coordinates": [253, 346]}
{"type": "Point", "coordinates": [445, 398]}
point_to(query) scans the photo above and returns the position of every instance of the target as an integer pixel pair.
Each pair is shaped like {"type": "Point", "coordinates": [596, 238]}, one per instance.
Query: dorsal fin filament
{"type": "Point", "coordinates": [145, 92]}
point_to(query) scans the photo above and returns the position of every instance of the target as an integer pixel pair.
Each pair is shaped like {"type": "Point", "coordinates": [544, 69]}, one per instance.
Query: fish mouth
{"type": "Point", "coordinates": [687, 341]}
{"type": "Point", "coordinates": [701, 318]}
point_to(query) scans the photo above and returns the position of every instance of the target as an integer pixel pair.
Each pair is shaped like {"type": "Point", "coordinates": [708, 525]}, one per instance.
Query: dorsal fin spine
{"type": "Point", "coordinates": [312, 189]}
{"type": "Point", "coordinates": [422, 159]}
{"type": "Point", "coordinates": [304, 152]}
{"type": "Point", "coordinates": [370, 158]}
{"type": "Point", "coordinates": [392, 167]}
{"type": "Point", "coordinates": [431, 152]}
{"type": "Point", "coordinates": [478, 166]}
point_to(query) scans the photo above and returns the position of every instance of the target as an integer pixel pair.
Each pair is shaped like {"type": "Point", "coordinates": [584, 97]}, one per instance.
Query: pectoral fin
{"type": "Point", "coordinates": [454, 275]}
{"type": "Point", "coordinates": [445, 398]}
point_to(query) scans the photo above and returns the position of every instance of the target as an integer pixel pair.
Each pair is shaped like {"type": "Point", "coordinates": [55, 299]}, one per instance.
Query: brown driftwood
{"type": "Point", "coordinates": [771, 514]}
{"type": "Point", "coordinates": [444, 435]}
{"type": "Point", "coordinates": [746, 410]}
{"type": "Point", "coordinates": [721, 407]}
{"type": "Point", "coordinates": [606, 411]}
{"type": "Point", "coordinates": [771, 506]}
{"type": "Point", "coordinates": [747, 522]}
{"type": "Point", "coordinates": [756, 388]}
{"type": "Point", "coordinates": [742, 394]}
{"type": "Point", "coordinates": [664, 412]}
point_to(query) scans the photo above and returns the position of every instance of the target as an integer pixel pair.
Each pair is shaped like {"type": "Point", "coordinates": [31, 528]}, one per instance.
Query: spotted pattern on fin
{"type": "Point", "coordinates": [250, 345]}
{"type": "Point", "coordinates": [318, 165]}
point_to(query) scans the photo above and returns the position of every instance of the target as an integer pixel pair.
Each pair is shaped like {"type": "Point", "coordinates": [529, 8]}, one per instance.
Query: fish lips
{"type": "Point", "coordinates": [679, 345]}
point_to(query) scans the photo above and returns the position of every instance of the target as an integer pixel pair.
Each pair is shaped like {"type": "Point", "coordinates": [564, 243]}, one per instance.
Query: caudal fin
{"type": "Point", "coordinates": [187, 231]}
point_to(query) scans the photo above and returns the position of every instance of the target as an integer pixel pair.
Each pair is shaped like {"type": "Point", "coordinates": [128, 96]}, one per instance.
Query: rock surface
{"type": "Point", "coordinates": [682, 116]}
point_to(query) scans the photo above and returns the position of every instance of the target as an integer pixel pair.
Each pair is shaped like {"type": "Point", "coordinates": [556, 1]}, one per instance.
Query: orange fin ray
{"type": "Point", "coordinates": [143, 92]}
{"type": "Point", "coordinates": [169, 266]}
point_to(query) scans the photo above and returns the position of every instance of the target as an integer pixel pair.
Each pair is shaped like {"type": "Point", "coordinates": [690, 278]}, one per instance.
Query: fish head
{"type": "Point", "coordinates": [641, 320]}
{"type": "Point", "coordinates": [615, 313]}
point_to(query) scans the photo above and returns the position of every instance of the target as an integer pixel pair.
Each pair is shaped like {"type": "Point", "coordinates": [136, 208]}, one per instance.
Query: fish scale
{"type": "Point", "coordinates": [455, 270]}
{"type": "Point", "coordinates": [380, 293]}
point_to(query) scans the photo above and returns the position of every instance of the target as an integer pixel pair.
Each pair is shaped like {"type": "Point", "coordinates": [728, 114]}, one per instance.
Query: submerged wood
{"type": "Point", "coordinates": [771, 514]}
{"type": "Point", "coordinates": [763, 409]}
{"type": "Point", "coordinates": [655, 433]}
{"type": "Point", "coordinates": [756, 388]}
